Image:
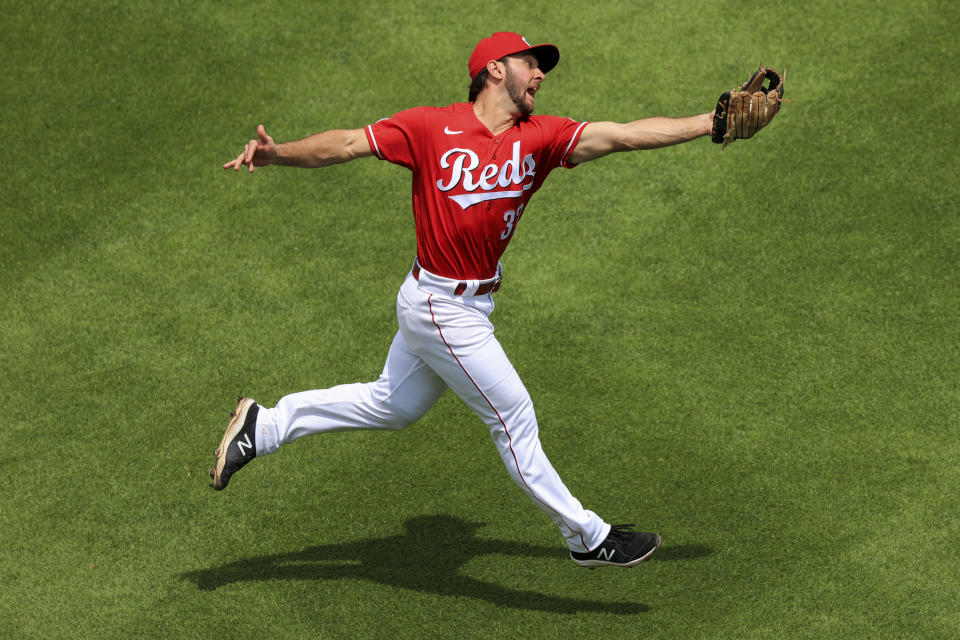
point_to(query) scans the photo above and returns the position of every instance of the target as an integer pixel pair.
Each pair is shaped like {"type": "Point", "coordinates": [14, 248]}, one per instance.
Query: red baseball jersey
{"type": "Point", "coordinates": [470, 188]}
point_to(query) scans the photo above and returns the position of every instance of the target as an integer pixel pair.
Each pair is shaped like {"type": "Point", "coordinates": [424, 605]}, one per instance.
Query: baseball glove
{"type": "Point", "coordinates": [742, 112]}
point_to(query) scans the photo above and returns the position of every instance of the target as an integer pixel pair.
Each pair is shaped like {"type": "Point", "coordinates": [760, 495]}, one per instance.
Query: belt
{"type": "Point", "coordinates": [485, 286]}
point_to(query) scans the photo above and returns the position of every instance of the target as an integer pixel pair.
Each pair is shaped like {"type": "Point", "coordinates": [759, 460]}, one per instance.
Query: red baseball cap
{"type": "Point", "coordinates": [505, 43]}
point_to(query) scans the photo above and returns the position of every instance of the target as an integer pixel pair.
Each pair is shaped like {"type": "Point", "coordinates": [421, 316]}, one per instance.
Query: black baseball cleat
{"type": "Point", "coordinates": [238, 446]}
{"type": "Point", "coordinates": [623, 547]}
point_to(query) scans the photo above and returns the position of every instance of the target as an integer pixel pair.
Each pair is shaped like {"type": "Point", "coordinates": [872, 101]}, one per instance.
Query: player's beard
{"type": "Point", "coordinates": [517, 93]}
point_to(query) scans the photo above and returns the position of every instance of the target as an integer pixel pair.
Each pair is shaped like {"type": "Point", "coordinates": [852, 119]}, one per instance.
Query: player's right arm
{"type": "Point", "coordinates": [335, 146]}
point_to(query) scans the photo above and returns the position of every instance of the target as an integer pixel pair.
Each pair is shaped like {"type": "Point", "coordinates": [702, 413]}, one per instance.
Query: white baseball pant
{"type": "Point", "coordinates": [445, 340]}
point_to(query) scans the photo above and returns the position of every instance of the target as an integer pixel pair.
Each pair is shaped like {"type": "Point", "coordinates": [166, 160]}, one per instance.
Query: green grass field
{"type": "Point", "coordinates": [754, 352]}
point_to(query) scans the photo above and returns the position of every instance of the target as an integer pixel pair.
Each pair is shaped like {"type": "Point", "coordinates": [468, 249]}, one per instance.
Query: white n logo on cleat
{"type": "Point", "coordinates": [246, 441]}
{"type": "Point", "coordinates": [605, 554]}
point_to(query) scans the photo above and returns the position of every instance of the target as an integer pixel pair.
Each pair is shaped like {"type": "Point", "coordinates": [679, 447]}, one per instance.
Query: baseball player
{"type": "Point", "coordinates": [475, 166]}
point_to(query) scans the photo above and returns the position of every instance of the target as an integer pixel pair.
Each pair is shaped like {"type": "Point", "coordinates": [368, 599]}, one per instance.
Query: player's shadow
{"type": "Point", "coordinates": [426, 558]}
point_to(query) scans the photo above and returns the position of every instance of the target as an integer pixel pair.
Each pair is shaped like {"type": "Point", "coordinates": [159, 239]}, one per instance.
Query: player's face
{"type": "Point", "coordinates": [523, 81]}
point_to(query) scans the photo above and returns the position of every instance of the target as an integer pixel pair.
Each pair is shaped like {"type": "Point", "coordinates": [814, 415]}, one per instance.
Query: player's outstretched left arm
{"type": "Point", "coordinates": [603, 138]}
{"type": "Point", "coordinates": [319, 150]}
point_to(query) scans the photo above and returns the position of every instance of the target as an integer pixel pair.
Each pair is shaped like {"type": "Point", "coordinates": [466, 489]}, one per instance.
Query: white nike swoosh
{"type": "Point", "coordinates": [447, 131]}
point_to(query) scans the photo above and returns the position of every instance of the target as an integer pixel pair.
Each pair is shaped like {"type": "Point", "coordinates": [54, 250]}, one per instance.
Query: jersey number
{"type": "Point", "coordinates": [511, 217]}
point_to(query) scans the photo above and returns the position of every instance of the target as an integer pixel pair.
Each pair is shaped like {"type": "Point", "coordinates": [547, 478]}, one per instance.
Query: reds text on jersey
{"type": "Point", "coordinates": [470, 188]}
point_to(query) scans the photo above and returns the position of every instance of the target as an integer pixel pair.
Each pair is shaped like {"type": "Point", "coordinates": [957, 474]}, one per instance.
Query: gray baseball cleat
{"type": "Point", "coordinates": [623, 547]}
{"type": "Point", "coordinates": [238, 446]}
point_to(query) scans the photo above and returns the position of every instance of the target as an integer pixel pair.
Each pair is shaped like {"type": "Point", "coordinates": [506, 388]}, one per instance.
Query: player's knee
{"type": "Point", "coordinates": [399, 410]}
{"type": "Point", "coordinates": [396, 421]}
{"type": "Point", "coordinates": [396, 415]}
{"type": "Point", "coordinates": [403, 416]}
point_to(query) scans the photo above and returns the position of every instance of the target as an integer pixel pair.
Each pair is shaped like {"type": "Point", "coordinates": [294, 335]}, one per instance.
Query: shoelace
{"type": "Point", "coordinates": [621, 531]}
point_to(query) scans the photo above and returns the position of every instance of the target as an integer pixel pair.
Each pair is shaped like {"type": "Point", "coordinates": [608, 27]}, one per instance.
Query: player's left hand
{"type": "Point", "coordinates": [259, 152]}
{"type": "Point", "coordinates": [741, 112]}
